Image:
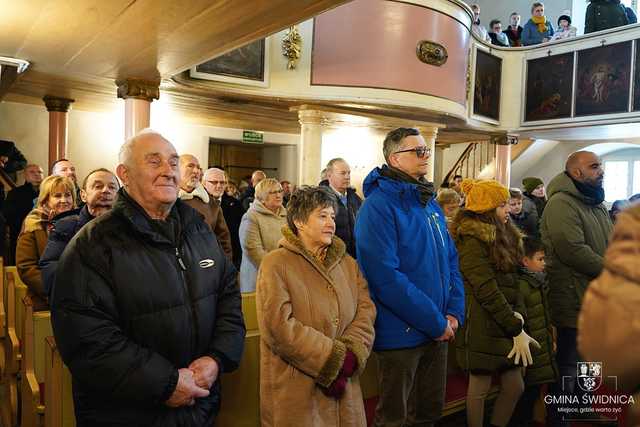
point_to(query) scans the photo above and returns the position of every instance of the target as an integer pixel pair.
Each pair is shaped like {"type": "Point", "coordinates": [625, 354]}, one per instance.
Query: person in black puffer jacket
{"type": "Point", "coordinates": [146, 309]}
{"type": "Point", "coordinates": [604, 14]}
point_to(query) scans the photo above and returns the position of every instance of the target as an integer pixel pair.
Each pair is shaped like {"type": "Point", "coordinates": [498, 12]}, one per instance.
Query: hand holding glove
{"type": "Point", "coordinates": [338, 386]}
{"type": "Point", "coordinates": [521, 348]}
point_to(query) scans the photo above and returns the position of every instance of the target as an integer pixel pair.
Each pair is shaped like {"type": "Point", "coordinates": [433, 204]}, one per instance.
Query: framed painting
{"type": "Point", "coordinates": [549, 88]}
{"type": "Point", "coordinates": [486, 92]}
{"type": "Point", "coordinates": [636, 79]}
{"type": "Point", "coordinates": [247, 65]}
{"type": "Point", "coordinates": [603, 79]}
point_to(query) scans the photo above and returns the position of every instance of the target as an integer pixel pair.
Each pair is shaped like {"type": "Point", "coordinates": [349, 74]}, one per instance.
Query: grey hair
{"type": "Point", "coordinates": [393, 140]}
{"type": "Point", "coordinates": [332, 163]}
{"type": "Point", "coordinates": [264, 186]}
{"type": "Point", "coordinates": [126, 151]}
{"type": "Point", "coordinates": [211, 170]}
{"type": "Point", "coordinates": [305, 200]}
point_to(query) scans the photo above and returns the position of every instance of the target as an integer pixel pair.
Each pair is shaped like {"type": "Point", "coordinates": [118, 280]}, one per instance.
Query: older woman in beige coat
{"type": "Point", "coordinates": [260, 230]}
{"type": "Point", "coordinates": [316, 322]}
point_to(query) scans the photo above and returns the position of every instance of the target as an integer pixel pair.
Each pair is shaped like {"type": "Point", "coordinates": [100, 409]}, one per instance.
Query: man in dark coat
{"type": "Point", "coordinates": [575, 228]}
{"type": "Point", "coordinates": [98, 192]}
{"type": "Point", "coordinates": [20, 201]}
{"type": "Point", "coordinates": [603, 15]}
{"type": "Point", "coordinates": [339, 179]}
{"type": "Point", "coordinates": [250, 193]}
{"type": "Point", "coordinates": [215, 181]}
{"type": "Point", "coordinates": [146, 309]}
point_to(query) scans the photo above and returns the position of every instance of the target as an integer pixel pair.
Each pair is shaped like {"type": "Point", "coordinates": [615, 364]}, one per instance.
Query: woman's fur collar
{"type": "Point", "coordinates": [335, 251]}
{"type": "Point", "coordinates": [37, 219]}
{"type": "Point", "coordinates": [472, 227]}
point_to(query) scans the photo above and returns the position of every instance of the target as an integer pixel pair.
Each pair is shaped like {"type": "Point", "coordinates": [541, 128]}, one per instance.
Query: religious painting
{"type": "Point", "coordinates": [486, 93]}
{"type": "Point", "coordinates": [636, 79]}
{"type": "Point", "coordinates": [245, 65]}
{"type": "Point", "coordinates": [549, 89]}
{"type": "Point", "coordinates": [603, 79]}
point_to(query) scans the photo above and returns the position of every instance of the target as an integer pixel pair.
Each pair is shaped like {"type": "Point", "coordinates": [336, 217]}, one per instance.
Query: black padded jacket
{"type": "Point", "coordinates": [130, 307]}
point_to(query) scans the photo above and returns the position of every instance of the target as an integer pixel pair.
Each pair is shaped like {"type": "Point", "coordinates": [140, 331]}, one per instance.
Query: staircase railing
{"type": "Point", "coordinates": [473, 160]}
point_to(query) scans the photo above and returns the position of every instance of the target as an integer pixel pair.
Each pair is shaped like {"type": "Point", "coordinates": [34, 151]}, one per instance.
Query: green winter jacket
{"type": "Point", "coordinates": [604, 14]}
{"type": "Point", "coordinates": [538, 325]}
{"type": "Point", "coordinates": [575, 230]}
{"type": "Point", "coordinates": [486, 338]}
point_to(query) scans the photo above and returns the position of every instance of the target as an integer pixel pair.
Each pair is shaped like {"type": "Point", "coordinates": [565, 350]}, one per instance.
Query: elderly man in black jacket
{"type": "Point", "coordinates": [146, 309]}
{"type": "Point", "coordinates": [339, 180]}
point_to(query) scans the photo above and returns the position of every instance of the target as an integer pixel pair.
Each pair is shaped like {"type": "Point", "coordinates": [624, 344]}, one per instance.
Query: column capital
{"type": "Point", "coordinates": [311, 117]}
{"type": "Point", "coordinates": [138, 89]}
{"type": "Point", "coordinates": [54, 103]}
{"type": "Point", "coordinates": [428, 132]}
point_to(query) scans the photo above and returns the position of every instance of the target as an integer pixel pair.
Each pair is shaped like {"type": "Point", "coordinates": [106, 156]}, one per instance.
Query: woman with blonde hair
{"type": "Point", "coordinates": [260, 230]}
{"type": "Point", "coordinates": [538, 29]}
{"type": "Point", "coordinates": [316, 321]}
{"type": "Point", "coordinates": [57, 196]}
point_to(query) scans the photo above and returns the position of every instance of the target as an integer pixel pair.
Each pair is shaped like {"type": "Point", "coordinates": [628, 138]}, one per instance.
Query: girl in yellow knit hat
{"type": "Point", "coordinates": [492, 340]}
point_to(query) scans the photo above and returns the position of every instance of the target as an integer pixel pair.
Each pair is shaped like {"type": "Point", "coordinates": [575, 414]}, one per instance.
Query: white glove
{"type": "Point", "coordinates": [521, 346]}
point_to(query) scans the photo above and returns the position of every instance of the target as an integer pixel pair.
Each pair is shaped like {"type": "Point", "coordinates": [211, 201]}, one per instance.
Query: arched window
{"type": "Point", "coordinates": [621, 174]}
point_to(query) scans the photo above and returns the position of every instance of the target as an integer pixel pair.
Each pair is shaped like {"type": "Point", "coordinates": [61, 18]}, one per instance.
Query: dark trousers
{"type": "Point", "coordinates": [523, 414]}
{"type": "Point", "coordinates": [567, 358]}
{"type": "Point", "coordinates": [412, 385]}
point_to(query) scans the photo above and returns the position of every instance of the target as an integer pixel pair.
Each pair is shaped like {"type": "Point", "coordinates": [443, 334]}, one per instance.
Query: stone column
{"type": "Point", "coordinates": [58, 121]}
{"type": "Point", "coordinates": [429, 133]}
{"type": "Point", "coordinates": [310, 147]}
{"type": "Point", "coordinates": [137, 95]}
{"type": "Point", "coordinates": [503, 164]}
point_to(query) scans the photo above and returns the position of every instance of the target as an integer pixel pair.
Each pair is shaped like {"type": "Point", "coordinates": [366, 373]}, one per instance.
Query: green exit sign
{"type": "Point", "coordinates": [251, 137]}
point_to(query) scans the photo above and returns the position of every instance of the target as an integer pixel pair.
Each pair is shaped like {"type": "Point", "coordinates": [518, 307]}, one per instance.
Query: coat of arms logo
{"type": "Point", "coordinates": [589, 375]}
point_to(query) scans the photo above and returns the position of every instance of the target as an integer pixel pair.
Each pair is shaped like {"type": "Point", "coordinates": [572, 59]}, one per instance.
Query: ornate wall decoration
{"type": "Point", "coordinates": [431, 53]}
{"type": "Point", "coordinates": [292, 46]}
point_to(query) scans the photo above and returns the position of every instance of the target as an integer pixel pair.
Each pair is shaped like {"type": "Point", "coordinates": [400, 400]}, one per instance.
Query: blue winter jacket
{"type": "Point", "coordinates": [410, 262]}
{"type": "Point", "coordinates": [531, 35]}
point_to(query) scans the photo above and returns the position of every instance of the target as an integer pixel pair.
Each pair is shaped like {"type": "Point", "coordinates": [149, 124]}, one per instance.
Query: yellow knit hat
{"type": "Point", "coordinates": [484, 195]}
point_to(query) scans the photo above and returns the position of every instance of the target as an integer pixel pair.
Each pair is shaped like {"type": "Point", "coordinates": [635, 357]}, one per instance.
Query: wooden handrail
{"type": "Point", "coordinates": [6, 180]}
{"type": "Point", "coordinates": [460, 161]}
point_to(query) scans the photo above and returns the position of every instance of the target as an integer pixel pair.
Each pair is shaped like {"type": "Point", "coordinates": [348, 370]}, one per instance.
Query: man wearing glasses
{"type": "Point", "coordinates": [215, 182]}
{"type": "Point", "coordinates": [411, 265]}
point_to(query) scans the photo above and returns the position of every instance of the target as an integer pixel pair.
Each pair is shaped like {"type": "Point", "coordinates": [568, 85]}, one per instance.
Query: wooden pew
{"type": "Point", "coordinates": [15, 292]}
{"type": "Point", "coordinates": [241, 389]}
{"type": "Point", "coordinates": [2, 309]}
{"type": "Point", "coordinates": [58, 399]}
{"type": "Point", "coordinates": [37, 326]}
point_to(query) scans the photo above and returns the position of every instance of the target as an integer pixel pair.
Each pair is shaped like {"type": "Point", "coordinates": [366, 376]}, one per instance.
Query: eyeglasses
{"type": "Point", "coordinates": [280, 191]}
{"type": "Point", "coordinates": [217, 182]}
{"type": "Point", "coordinates": [421, 151]}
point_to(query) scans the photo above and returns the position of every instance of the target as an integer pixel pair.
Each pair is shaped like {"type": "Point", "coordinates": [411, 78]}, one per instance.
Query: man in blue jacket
{"type": "Point", "coordinates": [411, 264]}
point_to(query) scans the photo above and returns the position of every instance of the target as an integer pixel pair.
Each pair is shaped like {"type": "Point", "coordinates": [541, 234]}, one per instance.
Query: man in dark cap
{"type": "Point", "coordinates": [534, 194]}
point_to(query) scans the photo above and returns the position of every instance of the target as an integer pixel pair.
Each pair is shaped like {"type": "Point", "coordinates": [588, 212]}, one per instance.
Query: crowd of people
{"type": "Point", "coordinates": [600, 15]}
{"type": "Point", "coordinates": [143, 269]}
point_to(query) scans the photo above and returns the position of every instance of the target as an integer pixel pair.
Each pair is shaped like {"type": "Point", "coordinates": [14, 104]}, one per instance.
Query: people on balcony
{"type": "Point", "coordinates": [476, 27]}
{"type": "Point", "coordinates": [538, 29]}
{"type": "Point", "coordinates": [496, 35]}
{"type": "Point", "coordinates": [604, 14]}
{"type": "Point", "coordinates": [316, 321]}
{"type": "Point", "coordinates": [514, 30]}
{"type": "Point", "coordinates": [565, 30]}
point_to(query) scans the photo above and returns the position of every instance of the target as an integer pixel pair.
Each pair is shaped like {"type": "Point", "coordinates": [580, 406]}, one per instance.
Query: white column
{"type": "Point", "coordinates": [137, 95]}
{"type": "Point", "coordinates": [429, 134]}
{"type": "Point", "coordinates": [310, 147]}
{"type": "Point", "coordinates": [503, 164]}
